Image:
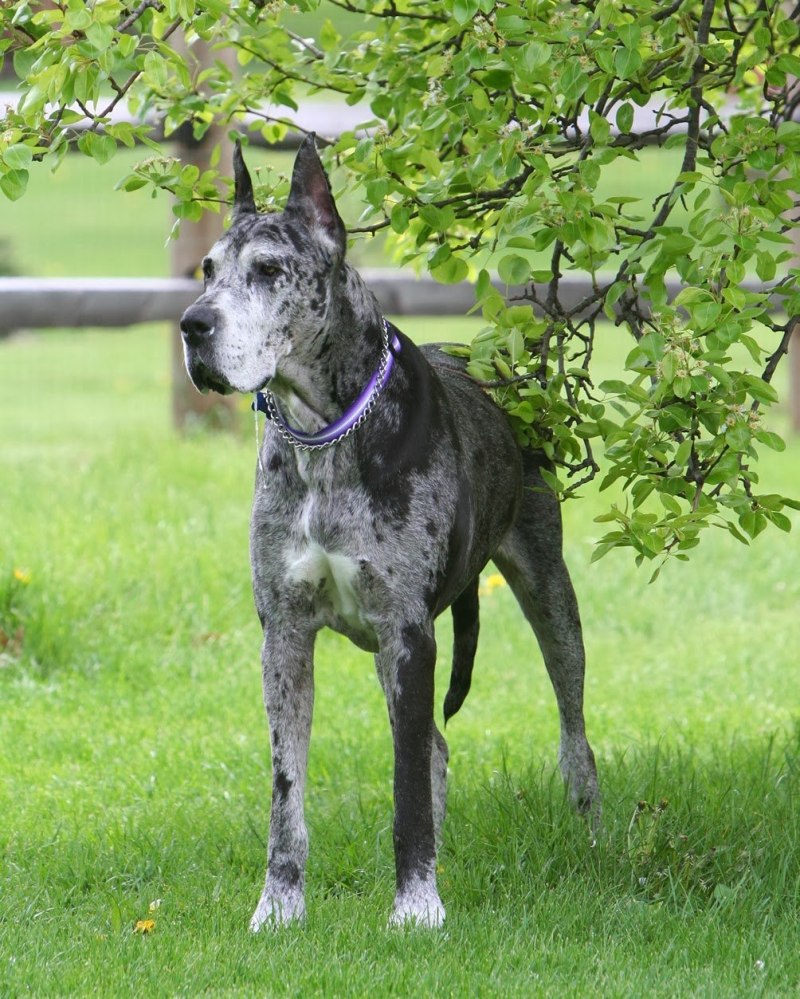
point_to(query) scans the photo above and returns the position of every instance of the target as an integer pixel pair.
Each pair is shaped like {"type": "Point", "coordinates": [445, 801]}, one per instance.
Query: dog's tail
{"type": "Point", "coordinates": [466, 624]}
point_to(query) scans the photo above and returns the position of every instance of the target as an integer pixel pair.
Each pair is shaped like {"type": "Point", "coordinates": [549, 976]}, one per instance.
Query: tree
{"type": "Point", "coordinates": [496, 130]}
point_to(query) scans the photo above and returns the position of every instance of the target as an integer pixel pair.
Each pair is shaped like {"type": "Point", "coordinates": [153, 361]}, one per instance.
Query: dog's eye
{"type": "Point", "coordinates": [267, 270]}
{"type": "Point", "coordinates": [208, 269]}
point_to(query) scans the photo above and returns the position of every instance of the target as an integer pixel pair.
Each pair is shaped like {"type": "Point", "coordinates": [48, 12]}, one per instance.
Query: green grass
{"type": "Point", "coordinates": [134, 754]}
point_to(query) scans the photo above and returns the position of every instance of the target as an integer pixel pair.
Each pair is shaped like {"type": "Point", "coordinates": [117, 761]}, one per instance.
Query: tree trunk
{"type": "Point", "coordinates": [196, 238]}
{"type": "Point", "coordinates": [794, 356]}
{"type": "Point", "coordinates": [794, 379]}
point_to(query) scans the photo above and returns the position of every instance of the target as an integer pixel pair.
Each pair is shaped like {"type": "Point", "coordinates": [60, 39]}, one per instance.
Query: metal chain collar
{"type": "Point", "coordinates": [296, 437]}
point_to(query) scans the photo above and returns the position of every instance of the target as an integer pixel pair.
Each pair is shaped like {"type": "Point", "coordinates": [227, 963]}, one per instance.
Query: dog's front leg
{"type": "Point", "coordinates": [406, 664]}
{"type": "Point", "coordinates": [288, 678]}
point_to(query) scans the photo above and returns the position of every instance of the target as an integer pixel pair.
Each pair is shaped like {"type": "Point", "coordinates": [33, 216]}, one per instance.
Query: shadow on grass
{"type": "Point", "coordinates": [695, 869]}
{"type": "Point", "coordinates": [688, 829]}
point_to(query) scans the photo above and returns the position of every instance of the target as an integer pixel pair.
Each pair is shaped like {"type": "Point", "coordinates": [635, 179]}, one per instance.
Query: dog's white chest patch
{"type": "Point", "coordinates": [334, 577]}
{"type": "Point", "coordinates": [311, 563]}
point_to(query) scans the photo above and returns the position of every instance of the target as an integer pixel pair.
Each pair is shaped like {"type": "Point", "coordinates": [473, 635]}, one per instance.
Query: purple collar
{"type": "Point", "coordinates": [350, 420]}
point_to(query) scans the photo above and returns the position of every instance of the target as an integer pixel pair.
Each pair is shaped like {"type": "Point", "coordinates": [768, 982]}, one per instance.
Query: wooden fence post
{"type": "Point", "coordinates": [188, 250]}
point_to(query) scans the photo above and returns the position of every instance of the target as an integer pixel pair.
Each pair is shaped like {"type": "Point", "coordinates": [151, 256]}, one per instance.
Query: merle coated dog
{"type": "Point", "coordinates": [387, 479]}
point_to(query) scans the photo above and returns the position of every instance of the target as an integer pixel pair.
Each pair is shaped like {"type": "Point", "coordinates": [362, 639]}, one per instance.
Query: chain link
{"type": "Point", "coordinates": [275, 416]}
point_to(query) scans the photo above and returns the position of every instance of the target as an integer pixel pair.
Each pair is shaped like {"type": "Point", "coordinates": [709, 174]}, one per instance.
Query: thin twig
{"type": "Point", "coordinates": [135, 14]}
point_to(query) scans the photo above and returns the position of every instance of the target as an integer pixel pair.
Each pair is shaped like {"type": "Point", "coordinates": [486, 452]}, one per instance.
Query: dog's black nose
{"type": "Point", "coordinates": [197, 324]}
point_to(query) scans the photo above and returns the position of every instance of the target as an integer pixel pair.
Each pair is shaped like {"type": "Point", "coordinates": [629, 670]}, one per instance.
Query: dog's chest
{"type": "Point", "coordinates": [326, 558]}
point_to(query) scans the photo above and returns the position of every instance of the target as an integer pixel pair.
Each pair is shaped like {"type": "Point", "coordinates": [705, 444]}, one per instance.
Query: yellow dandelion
{"type": "Point", "coordinates": [22, 576]}
{"type": "Point", "coordinates": [144, 926]}
{"type": "Point", "coordinates": [491, 582]}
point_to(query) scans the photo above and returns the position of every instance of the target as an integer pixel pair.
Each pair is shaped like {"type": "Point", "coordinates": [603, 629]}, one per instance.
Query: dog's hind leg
{"type": "Point", "coordinates": [288, 677]}
{"type": "Point", "coordinates": [530, 559]}
{"type": "Point", "coordinates": [405, 665]}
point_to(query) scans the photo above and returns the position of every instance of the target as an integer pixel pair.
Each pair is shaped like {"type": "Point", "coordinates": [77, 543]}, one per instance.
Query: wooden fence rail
{"type": "Point", "coordinates": [42, 303]}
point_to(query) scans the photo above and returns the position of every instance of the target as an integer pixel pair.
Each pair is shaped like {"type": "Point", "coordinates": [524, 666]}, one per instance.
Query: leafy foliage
{"type": "Point", "coordinates": [494, 133]}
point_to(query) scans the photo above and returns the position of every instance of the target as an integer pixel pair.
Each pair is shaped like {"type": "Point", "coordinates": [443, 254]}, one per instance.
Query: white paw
{"type": "Point", "coordinates": [275, 910]}
{"type": "Point", "coordinates": [421, 907]}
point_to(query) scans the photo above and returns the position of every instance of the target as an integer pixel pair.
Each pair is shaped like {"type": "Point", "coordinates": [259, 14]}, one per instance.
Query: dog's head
{"type": "Point", "coordinates": [268, 284]}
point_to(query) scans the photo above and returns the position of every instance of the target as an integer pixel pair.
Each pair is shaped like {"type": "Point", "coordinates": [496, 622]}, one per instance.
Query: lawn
{"type": "Point", "coordinates": [134, 767]}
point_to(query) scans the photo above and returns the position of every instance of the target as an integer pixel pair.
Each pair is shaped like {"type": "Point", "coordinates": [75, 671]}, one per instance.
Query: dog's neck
{"type": "Point", "coordinates": [349, 350]}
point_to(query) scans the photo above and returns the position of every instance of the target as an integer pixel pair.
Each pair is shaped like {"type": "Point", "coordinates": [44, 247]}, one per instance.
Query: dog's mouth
{"type": "Point", "coordinates": [205, 380]}
{"type": "Point", "coordinates": [212, 385]}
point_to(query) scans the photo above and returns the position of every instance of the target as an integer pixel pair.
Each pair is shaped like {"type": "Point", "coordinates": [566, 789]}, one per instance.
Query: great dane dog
{"type": "Point", "coordinates": [386, 481]}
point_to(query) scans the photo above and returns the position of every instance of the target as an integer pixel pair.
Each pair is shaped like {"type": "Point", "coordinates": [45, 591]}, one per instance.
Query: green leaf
{"type": "Point", "coordinates": [759, 389]}
{"type": "Point", "coordinates": [573, 80]}
{"type": "Point", "coordinates": [451, 270]}
{"type": "Point", "coordinates": [629, 34]}
{"type": "Point", "coordinates": [535, 55]}
{"type": "Point", "coordinates": [627, 62]}
{"type": "Point", "coordinates": [670, 504]}
{"type": "Point", "coordinates": [780, 520]}
{"type": "Point", "coordinates": [599, 128]}
{"type": "Point", "coordinates": [133, 182]}
{"type": "Point", "coordinates": [669, 366]}
{"type": "Point", "coordinates": [464, 10]}
{"type": "Point", "coordinates": [765, 265]}
{"type": "Point", "coordinates": [498, 78]}
{"type": "Point", "coordinates": [705, 314]}
{"type": "Point", "coordinates": [13, 184]}
{"type": "Point", "coordinates": [524, 411]}
{"type": "Point", "coordinates": [682, 387]}
{"type": "Point", "coordinates": [514, 269]}
{"type": "Point", "coordinates": [753, 522]}
{"type": "Point", "coordinates": [400, 216]}
{"type": "Point", "coordinates": [552, 480]}
{"type": "Point", "coordinates": [439, 219]}
{"type": "Point", "coordinates": [329, 37]}
{"type": "Point", "coordinates": [100, 36]}
{"type": "Point", "coordinates": [603, 548]}
{"type": "Point", "coordinates": [18, 157]}
{"type": "Point", "coordinates": [625, 117]}
{"type": "Point", "coordinates": [771, 440]}
{"type": "Point", "coordinates": [101, 148]}
{"type": "Point", "coordinates": [774, 237]}
{"type": "Point", "coordinates": [191, 211]}
{"type": "Point", "coordinates": [738, 437]}
{"type": "Point", "coordinates": [156, 70]}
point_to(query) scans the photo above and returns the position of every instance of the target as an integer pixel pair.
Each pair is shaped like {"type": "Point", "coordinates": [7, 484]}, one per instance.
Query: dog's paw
{"type": "Point", "coordinates": [421, 907]}
{"type": "Point", "coordinates": [275, 910]}
{"type": "Point", "coordinates": [576, 761]}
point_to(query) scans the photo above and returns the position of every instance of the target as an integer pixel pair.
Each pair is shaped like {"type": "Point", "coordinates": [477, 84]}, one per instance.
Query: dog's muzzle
{"type": "Point", "coordinates": [197, 329]}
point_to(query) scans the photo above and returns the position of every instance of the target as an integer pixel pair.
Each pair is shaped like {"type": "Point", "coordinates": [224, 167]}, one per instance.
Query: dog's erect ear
{"type": "Point", "coordinates": [310, 195]}
{"type": "Point", "coordinates": [244, 203]}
